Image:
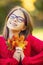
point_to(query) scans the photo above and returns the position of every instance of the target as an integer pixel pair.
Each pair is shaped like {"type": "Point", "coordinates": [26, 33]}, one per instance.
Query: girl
{"type": "Point", "coordinates": [18, 22]}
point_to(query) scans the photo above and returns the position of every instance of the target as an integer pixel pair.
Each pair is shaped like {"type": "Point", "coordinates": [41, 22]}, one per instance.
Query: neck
{"type": "Point", "coordinates": [11, 33]}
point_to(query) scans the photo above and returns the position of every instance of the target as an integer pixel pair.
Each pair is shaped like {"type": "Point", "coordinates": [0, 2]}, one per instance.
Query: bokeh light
{"type": "Point", "coordinates": [29, 4]}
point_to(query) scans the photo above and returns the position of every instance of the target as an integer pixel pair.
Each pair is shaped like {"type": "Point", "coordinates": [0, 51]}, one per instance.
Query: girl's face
{"type": "Point", "coordinates": [16, 21]}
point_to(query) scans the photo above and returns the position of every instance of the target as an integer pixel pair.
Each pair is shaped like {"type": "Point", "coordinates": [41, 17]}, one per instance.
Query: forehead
{"type": "Point", "coordinates": [18, 13]}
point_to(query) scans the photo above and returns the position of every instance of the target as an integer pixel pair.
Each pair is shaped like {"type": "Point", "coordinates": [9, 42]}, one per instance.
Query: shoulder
{"type": "Point", "coordinates": [29, 37]}
{"type": "Point", "coordinates": [2, 39]}
{"type": "Point", "coordinates": [33, 38]}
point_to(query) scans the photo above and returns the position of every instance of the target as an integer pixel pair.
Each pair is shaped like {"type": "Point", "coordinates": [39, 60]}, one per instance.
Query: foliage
{"type": "Point", "coordinates": [39, 5]}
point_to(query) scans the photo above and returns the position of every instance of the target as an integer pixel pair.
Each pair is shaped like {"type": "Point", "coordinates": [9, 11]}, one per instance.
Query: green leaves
{"type": "Point", "coordinates": [39, 5]}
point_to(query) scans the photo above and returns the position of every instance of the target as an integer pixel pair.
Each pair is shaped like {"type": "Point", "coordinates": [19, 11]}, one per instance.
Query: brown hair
{"type": "Point", "coordinates": [28, 23]}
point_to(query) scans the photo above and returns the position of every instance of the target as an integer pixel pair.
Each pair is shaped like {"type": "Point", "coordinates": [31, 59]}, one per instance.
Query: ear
{"type": "Point", "coordinates": [24, 28]}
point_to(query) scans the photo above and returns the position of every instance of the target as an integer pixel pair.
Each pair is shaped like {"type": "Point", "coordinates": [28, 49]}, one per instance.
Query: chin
{"type": "Point", "coordinates": [15, 30]}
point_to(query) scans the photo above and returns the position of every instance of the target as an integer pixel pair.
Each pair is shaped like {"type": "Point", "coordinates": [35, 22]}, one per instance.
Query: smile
{"type": "Point", "coordinates": [13, 24]}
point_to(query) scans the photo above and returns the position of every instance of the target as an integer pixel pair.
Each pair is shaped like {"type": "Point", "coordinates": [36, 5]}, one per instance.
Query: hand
{"type": "Point", "coordinates": [22, 55]}
{"type": "Point", "coordinates": [17, 54]}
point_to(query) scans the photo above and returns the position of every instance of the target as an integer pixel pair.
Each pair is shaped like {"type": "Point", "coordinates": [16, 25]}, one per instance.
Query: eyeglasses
{"type": "Point", "coordinates": [19, 18]}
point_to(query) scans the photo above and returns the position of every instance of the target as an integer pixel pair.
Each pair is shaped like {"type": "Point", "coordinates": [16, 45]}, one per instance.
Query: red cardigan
{"type": "Point", "coordinates": [33, 52]}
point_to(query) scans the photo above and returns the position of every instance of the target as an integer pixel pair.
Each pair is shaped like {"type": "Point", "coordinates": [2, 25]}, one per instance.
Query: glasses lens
{"type": "Point", "coordinates": [19, 18]}
{"type": "Point", "coordinates": [12, 16]}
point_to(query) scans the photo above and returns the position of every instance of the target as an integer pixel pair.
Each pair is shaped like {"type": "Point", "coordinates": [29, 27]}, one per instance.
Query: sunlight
{"type": "Point", "coordinates": [29, 4]}
{"type": "Point", "coordinates": [37, 34]}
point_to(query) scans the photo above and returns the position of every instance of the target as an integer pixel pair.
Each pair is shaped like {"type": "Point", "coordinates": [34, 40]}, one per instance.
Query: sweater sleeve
{"type": "Point", "coordinates": [38, 58]}
{"type": "Point", "coordinates": [35, 60]}
{"type": "Point", "coordinates": [36, 44]}
{"type": "Point", "coordinates": [5, 57]}
{"type": "Point", "coordinates": [8, 61]}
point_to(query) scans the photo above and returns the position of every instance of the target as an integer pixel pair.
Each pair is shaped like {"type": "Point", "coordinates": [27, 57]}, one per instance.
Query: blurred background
{"type": "Point", "coordinates": [35, 7]}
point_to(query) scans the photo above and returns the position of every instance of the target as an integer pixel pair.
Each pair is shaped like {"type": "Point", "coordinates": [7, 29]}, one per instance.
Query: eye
{"type": "Point", "coordinates": [19, 20]}
{"type": "Point", "coordinates": [12, 16]}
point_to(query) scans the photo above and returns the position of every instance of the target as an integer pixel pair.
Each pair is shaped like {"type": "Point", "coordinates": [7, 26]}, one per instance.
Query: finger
{"type": "Point", "coordinates": [18, 48]}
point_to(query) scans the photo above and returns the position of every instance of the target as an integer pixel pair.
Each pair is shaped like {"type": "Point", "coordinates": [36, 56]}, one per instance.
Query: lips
{"type": "Point", "coordinates": [13, 24]}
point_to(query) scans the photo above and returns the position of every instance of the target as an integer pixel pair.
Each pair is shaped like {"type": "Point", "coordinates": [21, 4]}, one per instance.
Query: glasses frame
{"type": "Point", "coordinates": [19, 18]}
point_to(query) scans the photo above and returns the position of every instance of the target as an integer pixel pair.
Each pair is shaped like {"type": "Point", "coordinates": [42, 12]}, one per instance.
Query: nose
{"type": "Point", "coordinates": [15, 20]}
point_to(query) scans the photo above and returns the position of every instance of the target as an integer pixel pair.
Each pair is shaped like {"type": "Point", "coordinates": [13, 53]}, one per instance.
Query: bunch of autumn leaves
{"type": "Point", "coordinates": [17, 41]}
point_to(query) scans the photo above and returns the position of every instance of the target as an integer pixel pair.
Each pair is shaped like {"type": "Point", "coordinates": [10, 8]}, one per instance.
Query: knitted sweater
{"type": "Point", "coordinates": [33, 52]}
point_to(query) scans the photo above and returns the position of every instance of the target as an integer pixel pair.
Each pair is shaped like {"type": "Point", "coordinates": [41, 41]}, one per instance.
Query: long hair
{"type": "Point", "coordinates": [28, 22]}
